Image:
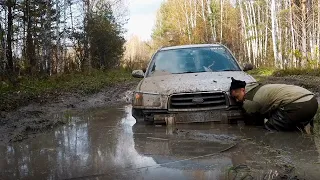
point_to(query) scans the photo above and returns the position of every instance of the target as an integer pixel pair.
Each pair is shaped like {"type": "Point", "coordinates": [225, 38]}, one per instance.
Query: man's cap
{"type": "Point", "coordinates": [237, 84]}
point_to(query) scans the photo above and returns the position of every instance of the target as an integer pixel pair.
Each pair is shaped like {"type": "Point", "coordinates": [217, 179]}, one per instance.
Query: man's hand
{"type": "Point", "coordinates": [254, 119]}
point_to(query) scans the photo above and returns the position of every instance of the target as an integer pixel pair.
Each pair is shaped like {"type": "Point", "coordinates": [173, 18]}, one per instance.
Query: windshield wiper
{"type": "Point", "coordinates": [187, 72]}
{"type": "Point", "coordinates": [228, 70]}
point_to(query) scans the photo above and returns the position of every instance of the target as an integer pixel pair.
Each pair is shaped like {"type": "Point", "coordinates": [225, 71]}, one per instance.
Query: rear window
{"type": "Point", "coordinates": [194, 60]}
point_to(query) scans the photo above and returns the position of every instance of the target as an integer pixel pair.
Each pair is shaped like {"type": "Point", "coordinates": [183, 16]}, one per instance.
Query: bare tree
{"type": "Point", "coordinates": [10, 4]}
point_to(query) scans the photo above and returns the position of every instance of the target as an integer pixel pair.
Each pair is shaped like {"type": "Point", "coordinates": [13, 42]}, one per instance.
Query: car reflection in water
{"type": "Point", "coordinates": [105, 143]}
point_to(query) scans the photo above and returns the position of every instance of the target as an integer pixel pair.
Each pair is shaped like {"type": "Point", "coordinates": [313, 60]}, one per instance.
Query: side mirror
{"type": "Point", "coordinates": [248, 67]}
{"type": "Point", "coordinates": [138, 74]}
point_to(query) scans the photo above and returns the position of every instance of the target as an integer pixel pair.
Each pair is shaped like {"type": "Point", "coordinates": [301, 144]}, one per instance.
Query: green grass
{"type": "Point", "coordinates": [262, 72]}
{"type": "Point", "coordinates": [41, 89]}
{"type": "Point", "coordinates": [288, 72]}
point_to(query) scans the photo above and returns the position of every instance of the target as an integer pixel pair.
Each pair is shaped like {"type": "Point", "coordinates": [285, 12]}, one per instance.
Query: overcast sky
{"type": "Point", "coordinates": [142, 17]}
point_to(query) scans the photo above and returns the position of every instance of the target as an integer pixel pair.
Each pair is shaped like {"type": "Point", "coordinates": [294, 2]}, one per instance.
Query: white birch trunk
{"type": "Point", "coordinates": [244, 32]}
{"type": "Point", "coordinates": [195, 13]}
{"type": "Point", "coordinates": [215, 35]}
{"type": "Point", "coordinates": [204, 19]}
{"type": "Point", "coordinates": [266, 34]}
{"type": "Point", "coordinates": [191, 13]}
{"type": "Point", "coordinates": [260, 38]}
{"type": "Point", "coordinates": [312, 35]}
{"type": "Point", "coordinates": [274, 32]}
{"type": "Point", "coordinates": [266, 44]}
{"type": "Point", "coordinates": [58, 37]}
{"type": "Point", "coordinates": [180, 28]}
{"type": "Point", "coordinates": [304, 32]}
{"type": "Point", "coordinates": [187, 21]}
{"type": "Point", "coordinates": [211, 21]}
{"type": "Point", "coordinates": [249, 38]}
{"type": "Point", "coordinates": [255, 33]}
{"type": "Point", "coordinates": [293, 42]}
{"type": "Point", "coordinates": [279, 30]}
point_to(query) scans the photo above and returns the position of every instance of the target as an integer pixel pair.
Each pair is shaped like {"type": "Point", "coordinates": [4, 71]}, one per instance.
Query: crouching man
{"type": "Point", "coordinates": [282, 107]}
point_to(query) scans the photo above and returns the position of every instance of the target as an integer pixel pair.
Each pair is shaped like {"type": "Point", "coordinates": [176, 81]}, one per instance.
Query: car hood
{"type": "Point", "coordinates": [192, 82]}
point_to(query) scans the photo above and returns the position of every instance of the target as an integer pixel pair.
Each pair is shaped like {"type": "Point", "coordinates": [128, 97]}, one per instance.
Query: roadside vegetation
{"type": "Point", "coordinates": [76, 53]}
{"type": "Point", "coordinates": [31, 89]}
{"type": "Point", "coordinates": [284, 72]}
{"type": "Point", "coordinates": [48, 48]}
{"type": "Point", "coordinates": [280, 34]}
{"type": "Point", "coordinates": [308, 78]}
{"type": "Point", "coordinates": [262, 72]}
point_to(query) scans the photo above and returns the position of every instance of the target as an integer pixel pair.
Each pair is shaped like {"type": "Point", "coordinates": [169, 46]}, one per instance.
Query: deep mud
{"type": "Point", "coordinates": [35, 118]}
{"type": "Point", "coordinates": [106, 143]}
{"type": "Point", "coordinates": [100, 140]}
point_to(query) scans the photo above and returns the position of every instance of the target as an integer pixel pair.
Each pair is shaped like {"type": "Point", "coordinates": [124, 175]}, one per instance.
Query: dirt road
{"type": "Point", "coordinates": [35, 118]}
{"type": "Point", "coordinates": [95, 137]}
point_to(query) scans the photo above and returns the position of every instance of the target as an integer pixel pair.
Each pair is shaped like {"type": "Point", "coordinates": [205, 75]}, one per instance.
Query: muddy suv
{"type": "Point", "coordinates": [190, 83]}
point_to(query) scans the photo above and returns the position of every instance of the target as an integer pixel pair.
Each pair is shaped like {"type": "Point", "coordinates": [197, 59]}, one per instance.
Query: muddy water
{"type": "Point", "coordinates": [106, 143]}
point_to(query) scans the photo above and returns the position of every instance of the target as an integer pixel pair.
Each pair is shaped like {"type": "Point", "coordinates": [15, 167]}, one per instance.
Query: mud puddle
{"type": "Point", "coordinates": [28, 121]}
{"type": "Point", "coordinates": [105, 143]}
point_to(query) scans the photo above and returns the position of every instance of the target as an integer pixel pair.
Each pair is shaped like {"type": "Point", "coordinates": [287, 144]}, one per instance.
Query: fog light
{"type": "Point", "coordinates": [138, 99]}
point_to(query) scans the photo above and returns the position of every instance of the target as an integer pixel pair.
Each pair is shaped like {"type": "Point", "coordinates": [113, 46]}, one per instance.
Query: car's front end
{"type": "Point", "coordinates": [173, 97]}
{"type": "Point", "coordinates": [212, 106]}
{"type": "Point", "coordinates": [186, 98]}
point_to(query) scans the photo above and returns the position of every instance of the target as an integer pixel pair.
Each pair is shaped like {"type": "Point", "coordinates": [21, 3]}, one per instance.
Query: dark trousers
{"type": "Point", "coordinates": [293, 116]}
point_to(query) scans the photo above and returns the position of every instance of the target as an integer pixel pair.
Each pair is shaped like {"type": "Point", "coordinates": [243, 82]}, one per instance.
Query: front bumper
{"type": "Point", "coordinates": [225, 116]}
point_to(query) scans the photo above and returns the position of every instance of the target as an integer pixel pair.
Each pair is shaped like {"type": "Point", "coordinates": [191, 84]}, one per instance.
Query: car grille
{"type": "Point", "coordinates": [198, 100]}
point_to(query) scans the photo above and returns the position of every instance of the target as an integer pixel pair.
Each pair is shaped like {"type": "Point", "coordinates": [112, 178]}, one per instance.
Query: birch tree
{"type": "Point", "coordinates": [274, 32]}
{"type": "Point", "coordinates": [271, 33]}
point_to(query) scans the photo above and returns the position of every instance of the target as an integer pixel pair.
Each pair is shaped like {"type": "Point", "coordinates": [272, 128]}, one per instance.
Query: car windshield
{"type": "Point", "coordinates": [194, 60]}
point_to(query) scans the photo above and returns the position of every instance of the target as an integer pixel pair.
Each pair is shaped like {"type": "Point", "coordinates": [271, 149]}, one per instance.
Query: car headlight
{"type": "Point", "coordinates": [146, 99]}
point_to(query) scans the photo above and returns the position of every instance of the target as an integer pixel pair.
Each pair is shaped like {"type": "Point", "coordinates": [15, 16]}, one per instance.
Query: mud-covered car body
{"type": "Point", "coordinates": [190, 83]}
